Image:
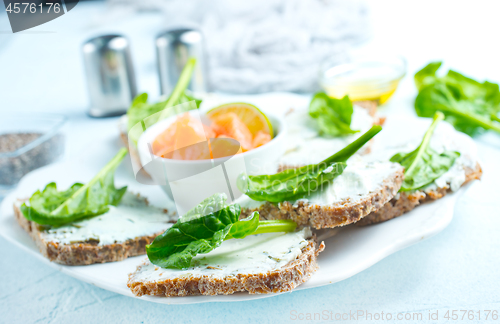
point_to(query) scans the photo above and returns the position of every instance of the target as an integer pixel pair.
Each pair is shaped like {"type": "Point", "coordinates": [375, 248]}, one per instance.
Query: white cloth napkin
{"type": "Point", "coordinates": [267, 45]}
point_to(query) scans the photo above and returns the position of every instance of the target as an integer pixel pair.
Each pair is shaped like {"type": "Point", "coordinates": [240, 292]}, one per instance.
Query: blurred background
{"type": "Point", "coordinates": [250, 47]}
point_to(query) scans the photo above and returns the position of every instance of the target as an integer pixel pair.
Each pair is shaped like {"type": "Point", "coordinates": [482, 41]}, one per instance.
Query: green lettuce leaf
{"type": "Point", "coordinates": [470, 106]}
{"type": "Point", "coordinates": [333, 115]}
{"type": "Point", "coordinates": [207, 206]}
{"type": "Point", "coordinates": [427, 75]}
{"type": "Point", "coordinates": [140, 110]}
{"type": "Point", "coordinates": [55, 208]}
{"type": "Point", "coordinates": [424, 165]}
{"type": "Point", "coordinates": [200, 234]}
{"type": "Point", "coordinates": [292, 184]}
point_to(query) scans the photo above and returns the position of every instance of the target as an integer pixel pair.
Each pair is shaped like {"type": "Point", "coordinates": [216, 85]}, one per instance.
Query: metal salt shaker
{"type": "Point", "coordinates": [173, 49]}
{"type": "Point", "coordinates": [110, 75]}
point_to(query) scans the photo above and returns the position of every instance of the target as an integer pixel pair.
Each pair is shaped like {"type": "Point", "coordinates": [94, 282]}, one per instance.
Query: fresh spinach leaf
{"type": "Point", "coordinates": [140, 109]}
{"type": "Point", "coordinates": [470, 106]}
{"type": "Point", "coordinates": [290, 184]}
{"type": "Point", "coordinates": [56, 208]}
{"type": "Point", "coordinates": [427, 75]}
{"type": "Point", "coordinates": [200, 234]}
{"type": "Point", "coordinates": [293, 184]}
{"type": "Point", "coordinates": [207, 206]}
{"type": "Point", "coordinates": [424, 165]}
{"type": "Point", "coordinates": [333, 115]}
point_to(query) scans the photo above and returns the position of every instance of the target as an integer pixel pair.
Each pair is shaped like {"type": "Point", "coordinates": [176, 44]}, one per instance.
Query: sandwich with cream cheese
{"type": "Point", "coordinates": [93, 222]}
{"type": "Point", "coordinates": [440, 162]}
{"type": "Point", "coordinates": [357, 189]}
{"type": "Point", "coordinates": [210, 251]}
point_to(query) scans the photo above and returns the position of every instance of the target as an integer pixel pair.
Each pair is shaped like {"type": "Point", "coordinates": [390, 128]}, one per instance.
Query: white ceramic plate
{"type": "Point", "coordinates": [349, 252]}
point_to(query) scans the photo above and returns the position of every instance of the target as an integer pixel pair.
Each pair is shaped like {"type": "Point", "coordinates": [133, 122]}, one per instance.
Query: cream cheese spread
{"type": "Point", "coordinates": [253, 254]}
{"type": "Point", "coordinates": [304, 145]}
{"type": "Point", "coordinates": [359, 179]}
{"type": "Point", "coordinates": [130, 219]}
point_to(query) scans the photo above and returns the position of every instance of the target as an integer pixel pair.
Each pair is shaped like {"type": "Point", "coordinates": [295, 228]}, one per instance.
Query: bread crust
{"type": "Point", "coordinates": [369, 105]}
{"type": "Point", "coordinates": [280, 280]}
{"type": "Point", "coordinates": [338, 214]}
{"type": "Point", "coordinates": [408, 201]}
{"type": "Point", "coordinates": [82, 253]}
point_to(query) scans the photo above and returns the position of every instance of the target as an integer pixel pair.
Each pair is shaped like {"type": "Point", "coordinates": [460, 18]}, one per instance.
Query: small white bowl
{"type": "Point", "coordinates": [188, 182]}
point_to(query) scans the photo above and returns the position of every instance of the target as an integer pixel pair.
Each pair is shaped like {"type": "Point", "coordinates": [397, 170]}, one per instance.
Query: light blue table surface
{"type": "Point", "coordinates": [459, 269]}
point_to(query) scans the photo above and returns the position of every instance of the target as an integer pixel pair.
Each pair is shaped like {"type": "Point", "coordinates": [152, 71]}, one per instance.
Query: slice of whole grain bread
{"type": "Point", "coordinates": [332, 215]}
{"type": "Point", "coordinates": [87, 252]}
{"type": "Point", "coordinates": [407, 201]}
{"type": "Point", "coordinates": [278, 280]}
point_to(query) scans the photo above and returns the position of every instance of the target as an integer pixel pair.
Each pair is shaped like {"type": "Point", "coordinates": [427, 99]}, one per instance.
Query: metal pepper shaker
{"type": "Point", "coordinates": [173, 49]}
{"type": "Point", "coordinates": [110, 75]}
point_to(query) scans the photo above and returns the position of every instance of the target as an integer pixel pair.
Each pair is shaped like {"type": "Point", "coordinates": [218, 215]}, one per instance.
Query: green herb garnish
{"type": "Point", "coordinates": [199, 233]}
{"type": "Point", "coordinates": [424, 165]}
{"type": "Point", "coordinates": [56, 208]}
{"type": "Point", "coordinates": [140, 110]}
{"type": "Point", "coordinates": [333, 115]}
{"type": "Point", "coordinates": [292, 184]}
{"type": "Point", "coordinates": [468, 105]}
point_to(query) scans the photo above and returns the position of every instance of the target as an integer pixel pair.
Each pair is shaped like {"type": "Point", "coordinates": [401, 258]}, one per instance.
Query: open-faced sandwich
{"type": "Point", "coordinates": [93, 222]}
{"type": "Point", "coordinates": [210, 251]}
{"type": "Point", "coordinates": [335, 192]}
{"type": "Point", "coordinates": [440, 162]}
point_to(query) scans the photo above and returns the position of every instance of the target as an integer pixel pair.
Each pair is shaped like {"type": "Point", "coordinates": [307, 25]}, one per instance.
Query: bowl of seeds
{"type": "Point", "coordinates": [28, 141]}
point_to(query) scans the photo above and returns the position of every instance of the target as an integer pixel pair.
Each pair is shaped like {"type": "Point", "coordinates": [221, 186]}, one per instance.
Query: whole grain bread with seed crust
{"type": "Point", "coordinates": [283, 279]}
{"type": "Point", "coordinates": [334, 215]}
{"type": "Point", "coordinates": [82, 253]}
{"type": "Point", "coordinates": [407, 201]}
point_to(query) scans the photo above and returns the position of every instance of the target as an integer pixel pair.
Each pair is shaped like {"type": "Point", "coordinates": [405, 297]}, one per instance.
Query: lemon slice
{"type": "Point", "coordinates": [250, 115]}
